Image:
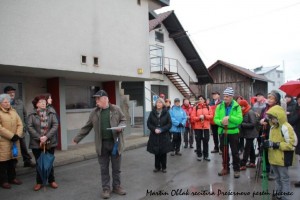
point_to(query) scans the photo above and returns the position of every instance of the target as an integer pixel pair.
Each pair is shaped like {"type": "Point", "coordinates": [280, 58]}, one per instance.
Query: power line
{"type": "Point", "coordinates": [245, 18]}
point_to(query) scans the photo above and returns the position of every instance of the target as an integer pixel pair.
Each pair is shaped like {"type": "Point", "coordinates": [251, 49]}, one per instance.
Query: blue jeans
{"type": "Point", "coordinates": [282, 181]}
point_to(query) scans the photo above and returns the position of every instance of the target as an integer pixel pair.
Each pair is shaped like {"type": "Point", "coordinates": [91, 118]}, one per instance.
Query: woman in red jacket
{"type": "Point", "coordinates": [201, 117]}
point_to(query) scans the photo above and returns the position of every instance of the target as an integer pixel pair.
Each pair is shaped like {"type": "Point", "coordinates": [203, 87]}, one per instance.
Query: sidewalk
{"type": "Point", "coordinates": [83, 152]}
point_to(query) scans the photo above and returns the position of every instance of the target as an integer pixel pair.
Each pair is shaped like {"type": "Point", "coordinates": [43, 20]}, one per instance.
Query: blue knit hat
{"type": "Point", "coordinates": [228, 91]}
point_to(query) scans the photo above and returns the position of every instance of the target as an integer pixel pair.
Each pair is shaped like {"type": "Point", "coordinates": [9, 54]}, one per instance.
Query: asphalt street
{"type": "Point", "coordinates": [186, 178]}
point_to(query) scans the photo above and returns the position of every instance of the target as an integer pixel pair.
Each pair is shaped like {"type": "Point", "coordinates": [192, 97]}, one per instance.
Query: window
{"type": "Point", "coordinates": [159, 36]}
{"type": "Point", "coordinates": [80, 97]}
{"type": "Point", "coordinates": [83, 60]}
{"type": "Point", "coordinates": [278, 75]}
{"type": "Point", "coordinates": [95, 61]}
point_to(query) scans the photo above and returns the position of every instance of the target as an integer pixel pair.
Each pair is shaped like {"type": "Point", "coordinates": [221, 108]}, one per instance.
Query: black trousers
{"type": "Point", "coordinates": [161, 161]}
{"type": "Point", "coordinates": [202, 136]}
{"type": "Point", "coordinates": [176, 141]}
{"type": "Point", "coordinates": [248, 151]}
{"type": "Point", "coordinates": [233, 142]}
{"type": "Point", "coordinates": [188, 136]}
{"type": "Point", "coordinates": [26, 156]}
{"type": "Point", "coordinates": [214, 129]}
{"type": "Point", "coordinates": [37, 153]}
{"type": "Point", "coordinates": [7, 170]}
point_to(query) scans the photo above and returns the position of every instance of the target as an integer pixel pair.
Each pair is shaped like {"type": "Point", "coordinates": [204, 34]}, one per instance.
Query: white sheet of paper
{"type": "Point", "coordinates": [117, 127]}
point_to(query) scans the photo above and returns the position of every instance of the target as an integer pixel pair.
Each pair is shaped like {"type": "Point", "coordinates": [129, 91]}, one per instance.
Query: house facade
{"type": "Point", "coordinates": [244, 82]}
{"type": "Point", "coordinates": [71, 49]}
{"type": "Point", "coordinates": [275, 76]}
{"type": "Point", "coordinates": [175, 66]}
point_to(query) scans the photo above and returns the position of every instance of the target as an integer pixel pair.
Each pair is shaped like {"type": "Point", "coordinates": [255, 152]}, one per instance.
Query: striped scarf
{"type": "Point", "coordinates": [42, 113]}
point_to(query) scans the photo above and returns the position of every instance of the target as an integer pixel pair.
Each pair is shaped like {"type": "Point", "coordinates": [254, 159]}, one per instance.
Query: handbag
{"type": "Point", "coordinates": [14, 150]}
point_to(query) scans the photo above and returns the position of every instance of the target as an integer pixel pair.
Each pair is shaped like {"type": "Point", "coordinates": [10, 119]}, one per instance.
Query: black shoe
{"type": "Point", "coordinates": [29, 164]}
{"type": "Point", "coordinates": [156, 170]}
{"type": "Point", "coordinates": [164, 171]}
{"type": "Point", "coordinates": [191, 146]}
{"type": "Point", "coordinates": [215, 151]}
{"type": "Point", "coordinates": [207, 158]}
{"type": "Point", "coordinates": [185, 146]}
{"type": "Point", "coordinates": [297, 184]}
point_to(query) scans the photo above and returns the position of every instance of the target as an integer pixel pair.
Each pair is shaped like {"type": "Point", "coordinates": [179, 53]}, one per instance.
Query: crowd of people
{"type": "Point", "coordinates": [265, 125]}
{"type": "Point", "coordinates": [232, 121]}
{"type": "Point", "coordinates": [41, 124]}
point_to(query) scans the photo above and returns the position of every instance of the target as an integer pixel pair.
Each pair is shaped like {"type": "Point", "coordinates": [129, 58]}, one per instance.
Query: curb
{"type": "Point", "coordinates": [76, 158]}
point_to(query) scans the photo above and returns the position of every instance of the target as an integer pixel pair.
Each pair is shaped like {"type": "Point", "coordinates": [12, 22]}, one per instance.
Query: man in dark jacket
{"type": "Point", "coordinates": [18, 105]}
{"type": "Point", "coordinates": [108, 122]}
{"type": "Point", "coordinates": [295, 122]}
{"type": "Point", "coordinates": [290, 106]}
{"type": "Point", "coordinates": [214, 128]}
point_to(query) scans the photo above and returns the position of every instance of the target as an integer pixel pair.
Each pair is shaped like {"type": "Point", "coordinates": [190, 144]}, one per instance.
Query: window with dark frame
{"type": "Point", "coordinates": [80, 96]}
{"type": "Point", "coordinates": [159, 36]}
{"type": "Point", "coordinates": [95, 61]}
{"type": "Point", "coordinates": [83, 59]}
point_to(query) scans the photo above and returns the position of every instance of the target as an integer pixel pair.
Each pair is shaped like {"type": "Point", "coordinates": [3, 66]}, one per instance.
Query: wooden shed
{"type": "Point", "coordinates": [244, 82]}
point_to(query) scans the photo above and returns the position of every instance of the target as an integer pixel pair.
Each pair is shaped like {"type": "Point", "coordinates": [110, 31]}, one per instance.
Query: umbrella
{"type": "Point", "coordinates": [115, 148]}
{"type": "Point", "coordinates": [44, 165]}
{"type": "Point", "coordinates": [291, 88]}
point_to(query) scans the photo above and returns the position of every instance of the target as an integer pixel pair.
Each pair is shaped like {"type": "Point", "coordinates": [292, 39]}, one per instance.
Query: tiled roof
{"type": "Point", "coordinates": [246, 72]}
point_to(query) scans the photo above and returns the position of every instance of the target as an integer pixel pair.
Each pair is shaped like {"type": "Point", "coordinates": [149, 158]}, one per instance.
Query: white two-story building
{"type": "Point", "coordinates": [71, 48]}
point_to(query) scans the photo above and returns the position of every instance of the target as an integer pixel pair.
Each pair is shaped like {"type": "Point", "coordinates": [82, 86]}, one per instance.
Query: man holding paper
{"type": "Point", "coordinates": [108, 122]}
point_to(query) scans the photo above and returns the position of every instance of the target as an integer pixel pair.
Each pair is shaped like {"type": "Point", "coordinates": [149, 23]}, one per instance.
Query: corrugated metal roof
{"type": "Point", "coordinates": [182, 40]}
{"type": "Point", "coordinates": [263, 70]}
{"type": "Point", "coordinates": [246, 72]}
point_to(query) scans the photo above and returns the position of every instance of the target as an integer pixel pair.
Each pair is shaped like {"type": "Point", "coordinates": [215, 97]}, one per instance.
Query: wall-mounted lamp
{"type": "Point", "coordinates": [140, 70]}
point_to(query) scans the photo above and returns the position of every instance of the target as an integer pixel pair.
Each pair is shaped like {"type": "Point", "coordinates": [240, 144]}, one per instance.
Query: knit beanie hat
{"type": "Point", "coordinates": [276, 95]}
{"type": "Point", "coordinates": [162, 101]}
{"type": "Point", "coordinates": [228, 91]}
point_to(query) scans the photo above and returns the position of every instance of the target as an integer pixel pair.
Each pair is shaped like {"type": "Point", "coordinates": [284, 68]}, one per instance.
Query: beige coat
{"type": "Point", "coordinates": [10, 124]}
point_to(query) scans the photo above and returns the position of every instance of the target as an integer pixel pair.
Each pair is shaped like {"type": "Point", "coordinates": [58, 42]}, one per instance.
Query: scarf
{"type": "Point", "coordinates": [42, 113]}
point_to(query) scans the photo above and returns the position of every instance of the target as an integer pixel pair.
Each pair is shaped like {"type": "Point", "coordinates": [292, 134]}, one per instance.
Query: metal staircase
{"type": "Point", "coordinates": [175, 72]}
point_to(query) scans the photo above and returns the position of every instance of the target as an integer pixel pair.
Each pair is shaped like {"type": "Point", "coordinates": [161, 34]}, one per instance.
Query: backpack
{"type": "Point", "coordinates": [289, 155]}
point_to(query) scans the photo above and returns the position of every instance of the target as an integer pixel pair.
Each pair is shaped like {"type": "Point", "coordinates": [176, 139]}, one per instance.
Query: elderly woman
{"type": "Point", "coordinates": [42, 128]}
{"type": "Point", "coordinates": [159, 144]}
{"type": "Point", "coordinates": [11, 129]}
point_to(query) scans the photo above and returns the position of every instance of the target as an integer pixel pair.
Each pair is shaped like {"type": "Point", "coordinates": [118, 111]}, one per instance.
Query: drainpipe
{"type": "Point", "coordinates": [206, 91]}
{"type": "Point", "coordinates": [252, 89]}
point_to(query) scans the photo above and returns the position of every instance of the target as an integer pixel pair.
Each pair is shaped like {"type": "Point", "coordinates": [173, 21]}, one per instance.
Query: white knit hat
{"type": "Point", "coordinates": [228, 91]}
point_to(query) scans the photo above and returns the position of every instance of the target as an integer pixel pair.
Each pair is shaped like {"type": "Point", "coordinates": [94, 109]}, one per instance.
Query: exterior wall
{"type": "Point", "coordinates": [277, 78]}
{"type": "Point", "coordinates": [172, 51]}
{"type": "Point", "coordinates": [54, 35]}
{"type": "Point", "coordinates": [224, 77]}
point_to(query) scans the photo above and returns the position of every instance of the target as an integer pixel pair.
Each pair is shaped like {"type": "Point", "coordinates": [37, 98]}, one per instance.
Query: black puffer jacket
{"type": "Point", "coordinates": [290, 108]}
{"type": "Point", "coordinates": [295, 122]}
{"type": "Point", "coordinates": [248, 126]}
{"type": "Point", "coordinates": [159, 143]}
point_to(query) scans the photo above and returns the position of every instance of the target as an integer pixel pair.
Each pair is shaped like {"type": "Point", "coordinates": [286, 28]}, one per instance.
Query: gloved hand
{"type": "Point", "coordinates": [15, 138]}
{"type": "Point", "coordinates": [180, 125]}
{"type": "Point", "coordinates": [270, 144]}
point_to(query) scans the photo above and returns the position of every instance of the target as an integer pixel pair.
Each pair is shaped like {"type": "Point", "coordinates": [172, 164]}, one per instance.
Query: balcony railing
{"type": "Point", "coordinates": [174, 71]}
{"type": "Point", "coordinates": [167, 65]}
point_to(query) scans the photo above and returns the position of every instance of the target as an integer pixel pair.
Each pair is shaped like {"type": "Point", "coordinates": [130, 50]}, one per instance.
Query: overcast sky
{"type": "Point", "coordinates": [247, 33]}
